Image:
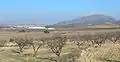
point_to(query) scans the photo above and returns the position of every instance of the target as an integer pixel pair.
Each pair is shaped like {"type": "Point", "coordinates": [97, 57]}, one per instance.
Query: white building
{"type": "Point", "coordinates": [51, 28]}
{"type": "Point", "coordinates": [36, 27]}
{"type": "Point", "coordinates": [41, 28]}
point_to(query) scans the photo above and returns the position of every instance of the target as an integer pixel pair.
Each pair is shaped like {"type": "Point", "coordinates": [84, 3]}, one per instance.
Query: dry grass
{"type": "Point", "coordinates": [106, 52]}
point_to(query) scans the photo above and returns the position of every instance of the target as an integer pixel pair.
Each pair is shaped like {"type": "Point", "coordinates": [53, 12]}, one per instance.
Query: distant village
{"type": "Point", "coordinates": [25, 26]}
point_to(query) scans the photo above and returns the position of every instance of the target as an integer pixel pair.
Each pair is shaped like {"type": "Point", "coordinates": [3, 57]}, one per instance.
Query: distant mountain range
{"type": "Point", "coordinates": [86, 20]}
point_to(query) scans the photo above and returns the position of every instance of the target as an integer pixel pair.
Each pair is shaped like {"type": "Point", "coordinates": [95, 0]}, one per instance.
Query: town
{"type": "Point", "coordinates": [24, 26]}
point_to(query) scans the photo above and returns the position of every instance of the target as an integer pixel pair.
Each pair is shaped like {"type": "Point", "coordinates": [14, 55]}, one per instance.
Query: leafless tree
{"type": "Point", "coordinates": [36, 44]}
{"type": "Point", "coordinates": [81, 41]}
{"type": "Point", "coordinates": [21, 42]}
{"type": "Point", "coordinates": [56, 43]}
{"type": "Point", "coordinates": [114, 37]}
{"type": "Point", "coordinates": [97, 39]}
{"type": "Point", "coordinates": [105, 37]}
{"type": "Point", "coordinates": [2, 43]}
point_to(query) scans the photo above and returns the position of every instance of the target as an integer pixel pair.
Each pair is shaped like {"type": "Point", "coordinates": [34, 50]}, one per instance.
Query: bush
{"type": "Point", "coordinates": [22, 30]}
{"type": "Point", "coordinates": [46, 32]}
{"type": "Point", "coordinates": [11, 40]}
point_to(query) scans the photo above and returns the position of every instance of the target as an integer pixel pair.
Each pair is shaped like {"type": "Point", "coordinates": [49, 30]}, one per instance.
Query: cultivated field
{"type": "Point", "coordinates": [60, 46]}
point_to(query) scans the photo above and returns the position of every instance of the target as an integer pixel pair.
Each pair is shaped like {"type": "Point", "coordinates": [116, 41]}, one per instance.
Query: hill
{"type": "Point", "coordinates": [86, 20]}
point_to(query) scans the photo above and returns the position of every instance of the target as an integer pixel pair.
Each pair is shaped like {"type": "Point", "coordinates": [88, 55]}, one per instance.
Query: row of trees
{"type": "Point", "coordinates": [92, 39]}
{"type": "Point", "coordinates": [57, 42]}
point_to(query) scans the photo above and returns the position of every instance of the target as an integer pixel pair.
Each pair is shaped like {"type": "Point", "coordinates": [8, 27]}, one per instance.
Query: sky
{"type": "Point", "coordinates": [53, 11]}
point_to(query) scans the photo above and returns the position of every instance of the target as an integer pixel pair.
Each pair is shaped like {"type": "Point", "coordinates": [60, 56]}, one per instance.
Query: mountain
{"type": "Point", "coordinates": [117, 22]}
{"type": "Point", "coordinates": [86, 20]}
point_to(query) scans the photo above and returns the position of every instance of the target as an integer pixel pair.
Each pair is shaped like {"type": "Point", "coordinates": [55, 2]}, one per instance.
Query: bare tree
{"type": "Point", "coordinates": [36, 44]}
{"type": "Point", "coordinates": [105, 37]}
{"type": "Point", "coordinates": [21, 42]}
{"type": "Point", "coordinates": [81, 40]}
{"type": "Point", "coordinates": [56, 44]}
{"type": "Point", "coordinates": [98, 39]}
{"type": "Point", "coordinates": [2, 43]}
{"type": "Point", "coordinates": [114, 37]}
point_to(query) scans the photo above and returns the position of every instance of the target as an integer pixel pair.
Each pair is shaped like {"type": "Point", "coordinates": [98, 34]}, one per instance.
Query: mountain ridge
{"type": "Point", "coordinates": [90, 19]}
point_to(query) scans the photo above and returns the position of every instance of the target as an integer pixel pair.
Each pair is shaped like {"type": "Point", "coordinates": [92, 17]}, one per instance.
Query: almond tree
{"type": "Point", "coordinates": [21, 43]}
{"type": "Point", "coordinates": [114, 37]}
{"type": "Point", "coordinates": [36, 44]}
{"type": "Point", "coordinates": [105, 37]}
{"type": "Point", "coordinates": [2, 43]}
{"type": "Point", "coordinates": [99, 39]}
{"type": "Point", "coordinates": [80, 41]}
{"type": "Point", "coordinates": [56, 43]}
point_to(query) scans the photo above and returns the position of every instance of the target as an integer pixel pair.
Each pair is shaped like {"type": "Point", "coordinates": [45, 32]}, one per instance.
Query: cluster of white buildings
{"type": "Point", "coordinates": [33, 27]}
{"type": "Point", "coordinates": [40, 28]}
{"type": "Point", "coordinates": [30, 26]}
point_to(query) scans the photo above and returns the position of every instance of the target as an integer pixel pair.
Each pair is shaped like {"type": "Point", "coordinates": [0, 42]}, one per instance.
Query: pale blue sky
{"type": "Point", "coordinates": [53, 11]}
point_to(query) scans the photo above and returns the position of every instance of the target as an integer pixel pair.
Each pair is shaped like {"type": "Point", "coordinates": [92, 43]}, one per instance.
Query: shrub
{"type": "Point", "coordinates": [11, 40]}
{"type": "Point", "coordinates": [46, 32]}
{"type": "Point", "coordinates": [22, 30]}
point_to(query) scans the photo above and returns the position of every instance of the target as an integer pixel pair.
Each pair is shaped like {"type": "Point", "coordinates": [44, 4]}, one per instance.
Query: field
{"type": "Point", "coordinates": [107, 52]}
